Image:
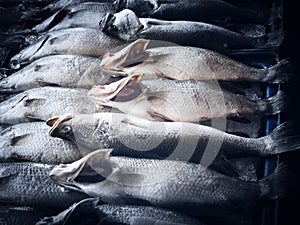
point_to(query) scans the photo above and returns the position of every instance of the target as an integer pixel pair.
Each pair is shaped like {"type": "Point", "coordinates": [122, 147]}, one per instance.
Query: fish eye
{"type": "Point", "coordinates": [66, 129]}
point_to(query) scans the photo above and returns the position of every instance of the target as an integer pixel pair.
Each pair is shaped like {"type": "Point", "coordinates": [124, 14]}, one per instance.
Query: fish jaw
{"type": "Point", "coordinates": [134, 54]}
{"type": "Point", "coordinates": [143, 8]}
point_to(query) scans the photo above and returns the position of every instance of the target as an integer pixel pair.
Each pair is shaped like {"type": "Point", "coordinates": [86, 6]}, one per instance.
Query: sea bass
{"type": "Point", "coordinates": [31, 142]}
{"type": "Point", "coordinates": [212, 11]}
{"type": "Point", "coordinates": [77, 41]}
{"type": "Point", "coordinates": [16, 215]}
{"type": "Point", "coordinates": [91, 211]}
{"type": "Point", "coordinates": [58, 70]}
{"type": "Point", "coordinates": [126, 26]}
{"type": "Point", "coordinates": [136, 137]}
{"type": "Point", "coordinates": [40, 104]}
{"type": "Point", "coordinates": [187, 63]}
{"type": "Point", "coordinates": [165, 183]}
{"type": "Point", "coordinates": [185, 101]}
{"type": "Point", "coordinates": [76, 15]}
{"type": "Point", "coordinates": [28, 184]}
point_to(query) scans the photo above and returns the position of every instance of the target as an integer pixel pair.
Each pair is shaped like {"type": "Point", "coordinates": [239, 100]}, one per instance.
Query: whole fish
{"type": "Point", "coordinates": [16, 215]}
{"type": "Point", "coordinates": [116, 214]}
{"type": "Point", "coordinates": [58, 70]}
{"type": "Point", "coordinates": [28, 184]}
{"type": "Point", "coordinates": [187, 63]}
{"type": "Point", "coordinates": [76, 15]}
{"type": "Point", "coordinates": [136, 137]}
{"type": "Point", "coordinates": [185, 101]}
{"type": "Point", "coordinates": [31, 142]}
{"type": "Point", "coordinates": [165, 183]}
{"type": "Point", "coordinates": [77, 41]}
{"type": "Point", "coordinates": [126, 26]}
{"type": "Point", "coordinates": [40, 104]}
{"type": "Point", "coordinates": [212, 11]}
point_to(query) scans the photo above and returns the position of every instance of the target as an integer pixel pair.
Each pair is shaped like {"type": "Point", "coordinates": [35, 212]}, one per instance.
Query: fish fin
{"type": "Point", "coordinates": [281, 72]}
{"type": "Point", "coordinates": [137, 122]}
{"type": "Point", "coordinates": [46, 84]}
{"type": "Point", "coordinates": [279, 184]}
{"type": "Point", "coordinates": [275, 104]}
{"type": "Point", "coordinates": [246, 168]}
{"type": "Point", "coordinates": [158, 116]}
{"type": "Point", "coordinates": [6, 86]}
{"type": "Point", "coordinates": [284, 138]}
{"type": "Point", "coordinates": [134, 201]}
{"type": "Point", "coordinates": [222, 165]}
{"type": "Point", "coordinates": [17, 139]}
{"type": "Point", "coordinates": [129, 178]}
{"type": "Point", "coordinates": [151, 221]}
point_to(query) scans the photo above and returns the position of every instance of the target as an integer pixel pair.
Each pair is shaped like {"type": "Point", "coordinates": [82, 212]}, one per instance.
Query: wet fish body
{"type": "Point", "coordinates": [187, 63]}
{"type": "Point", "coordinates": [28, 184]}
{"type": "Point", "coordinates": [116, 214]}
{"type": "Point", "coordinates": [135, 137]}
{"type": "Point", "coordinates": [77, 41]}
{"type": "Point", "coordinates": [31, 142]}
{"type": "Point", "coordinates": [40, 104]}
{"type": "Point", "coordinates": [16, 215]}
{"type": "Point", "coordinates": [58, 70]}
{"type": "Point", "coordinates": [126, 26]}
{"type": "Point", "coordinates": [164, 183]}
{"type": "Point", "coordinates": [185, 101]}
{"type": "Point", "coordinates": [76, 15]}
{"type": "Point", "coordinates": [213, 11]}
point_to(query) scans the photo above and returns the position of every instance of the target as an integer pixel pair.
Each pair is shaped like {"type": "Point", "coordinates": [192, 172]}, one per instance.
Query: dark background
{"type": "Point", "coordinates": [289, 213]}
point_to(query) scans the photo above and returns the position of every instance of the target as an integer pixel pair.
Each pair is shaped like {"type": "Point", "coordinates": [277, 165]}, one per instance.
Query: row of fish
{"type": "Point", "coordinates": [143, 127]}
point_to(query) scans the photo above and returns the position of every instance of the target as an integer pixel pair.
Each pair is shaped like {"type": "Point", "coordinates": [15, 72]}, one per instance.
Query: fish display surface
{"type": "Point", "coordinates": [90, 211]}
{"type": "Point", "coordinates": [40, 104]}
{"type": "Point", "coordinates": [29, 184]}
{"type": "Point", "coordinates": [72, 71]}
{"type": "Point", "coordinates": [77, 41]}
{"type": "Point", "coordinates": [126, 26]}
{"type": "Point", "coordinates": [185, 101]}
{"type": "Point", "coordinates": [76, 15]}
{"type": "Point", "coordinates": [135, 137]}
{"type": "Point", "coordinates": [31, 142]}
{"type": "Point", "coordinates": [164, 183]}
{"type": "Point", "coordinates": [187, 63]}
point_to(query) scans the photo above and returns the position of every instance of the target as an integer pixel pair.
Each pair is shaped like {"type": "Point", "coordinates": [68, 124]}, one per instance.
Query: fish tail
{"type": "Point", "coordinates": [285, 138]}
{"type": "Point", "coordinates": [274, 104]}
{"type": "Point", "coordinates": [279, 184]}
{"type": "Point", "coordinates": [280, 72]}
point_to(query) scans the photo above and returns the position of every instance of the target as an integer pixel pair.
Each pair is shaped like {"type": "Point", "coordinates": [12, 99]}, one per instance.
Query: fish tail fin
{"type": "Point", "coordinates": [284, 138]}
{"type": "Point", "coordinates": [274, 104]}
{"type": "Point", "coordinates": [280, 73]}
{"type": "Point", "coordinates": [279, 184]}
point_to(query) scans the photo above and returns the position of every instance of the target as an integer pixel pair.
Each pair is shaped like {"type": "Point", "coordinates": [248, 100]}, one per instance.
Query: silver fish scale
{"type": "Point", "coordinates": [29, 184]}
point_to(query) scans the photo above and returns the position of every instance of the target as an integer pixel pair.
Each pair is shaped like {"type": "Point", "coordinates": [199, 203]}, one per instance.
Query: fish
{"type": "Point", "coordinates": [40, 104]}
{"type": "Point", "coordinates": [213, 11]}
{"type": "Point", "coordinates": [181, 101]}
{"type": "Point", "coordinates": [16, 215]}
{"type": "Point", "coordinates": [31, 142]}
{"type": "Point", "coordinates": [78, 72]}
{"type": "Point", "coordinates": [77, 41]}
{"type": "Point", "coordinates": [126, 26]}
{"type": "Point", "coordinates": [139, 138]}
{"type": "Point", "coordinates": [166, 183]}
{"type": "Point", "coordinates": [91, 211]}
{"type": "Point", "coordinates": [188, 63]}
{"type": "Point", "coordinates": [76, 15]}
{"type": "Point", "coordinates": [28, 184]}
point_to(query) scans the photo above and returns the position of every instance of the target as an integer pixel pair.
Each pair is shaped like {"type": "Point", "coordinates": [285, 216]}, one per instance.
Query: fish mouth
{"type": "Point", "coordinates": [55, 122]}
{"type": "Point", "coordinates": [106, 22]}
{"type": "Point", "coordinates": [102, 95]}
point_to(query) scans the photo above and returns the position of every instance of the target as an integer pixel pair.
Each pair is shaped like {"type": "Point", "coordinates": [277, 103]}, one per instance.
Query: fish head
{"type": "Point", "coordinates": [132, 55]}
{"type": "Point", "coordinates": [142, 8]}
{"type": "Point", "coordinates": [83, 174]}
{"type": "Point", "coordinates": [124, 90]}
{"type": "Point", "coordinates": [61, 127]}
{"type": "Point", "coordinates": [124, 25]}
